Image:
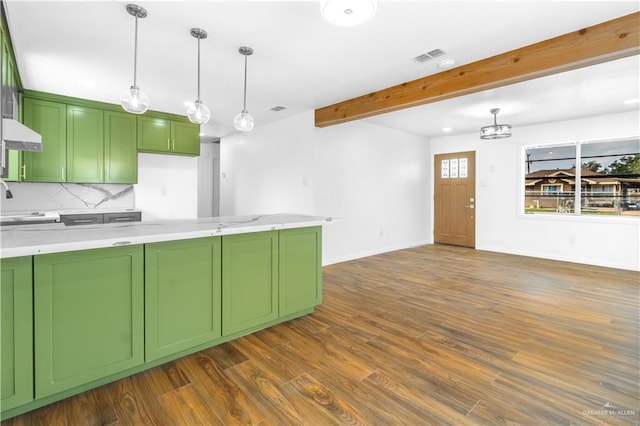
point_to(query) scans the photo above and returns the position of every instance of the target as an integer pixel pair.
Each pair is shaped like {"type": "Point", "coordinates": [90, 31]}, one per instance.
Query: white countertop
{"type": "Point", "coordinates": [27, 240]}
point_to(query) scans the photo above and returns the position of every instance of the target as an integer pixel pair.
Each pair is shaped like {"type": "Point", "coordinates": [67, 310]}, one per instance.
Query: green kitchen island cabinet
{"type": "Point", "coordinates": [182, 295]}
{"type": "Point", "coordinates": [84, 308]}
{"type": "Point", "coordinates": [249, 280]}
{"type": "Point", "coordinates": [88, 316]}
{"type": "Point", "coordinates": [157, 134]}
{"type": "Point", "coordinates": [300, 269]}
{"type": "Point", "coordinates": [17, 332]}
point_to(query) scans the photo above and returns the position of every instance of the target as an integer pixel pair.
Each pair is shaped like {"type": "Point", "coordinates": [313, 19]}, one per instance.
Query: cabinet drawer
{"type": "Point", "coordinates": [122, 217]}
{"type": "Point", "coordinates": [81, 219]}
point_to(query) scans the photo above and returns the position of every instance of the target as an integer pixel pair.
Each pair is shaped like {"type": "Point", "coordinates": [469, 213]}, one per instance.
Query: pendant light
{"type": "Point", "coordinates": [348, 13]}
{"type": "Point", "coordinates": [198, 112]}
{"type": "Point", "coordinates": [495, 131]}
{"type": "Point", "coordinates": [133, 99]}
{"type": "Point", "coordinates": [244, 120]}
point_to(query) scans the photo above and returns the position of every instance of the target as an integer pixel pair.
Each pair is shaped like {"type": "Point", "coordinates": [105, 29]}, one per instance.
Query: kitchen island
{"type": "Point", "coordinates": [86, 305]}
{"type": "Point", "coordinates": [27, 240]}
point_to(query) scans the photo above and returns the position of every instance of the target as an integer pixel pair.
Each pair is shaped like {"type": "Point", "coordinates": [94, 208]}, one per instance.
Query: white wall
{"type": "Point", "coordinates": [209, 180]}
{"type": "Point", "coordinates": [167, 187]}
{"type": "Point", "coordinates": [501, 226]}
{"type": "Point", "coordinates": [374, 179]}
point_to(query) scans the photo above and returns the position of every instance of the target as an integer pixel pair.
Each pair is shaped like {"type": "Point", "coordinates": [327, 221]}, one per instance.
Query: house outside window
{"type": "Point", "coordinates": [609, 178]}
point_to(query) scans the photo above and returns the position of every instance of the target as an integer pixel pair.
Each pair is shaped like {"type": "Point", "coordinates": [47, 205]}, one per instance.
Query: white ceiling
{"type": "Point", "coordinates": [85, 49]}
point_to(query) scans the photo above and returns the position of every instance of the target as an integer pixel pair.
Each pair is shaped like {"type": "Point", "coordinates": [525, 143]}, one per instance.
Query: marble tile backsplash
{"type": "Point", "coordinates": [67, 196]}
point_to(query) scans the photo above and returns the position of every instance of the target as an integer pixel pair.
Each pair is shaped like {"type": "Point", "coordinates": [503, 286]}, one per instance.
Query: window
{"type": "Point", "coordinates": [551, 189]}
{"type": "Point", "coordinates": [609, 178]}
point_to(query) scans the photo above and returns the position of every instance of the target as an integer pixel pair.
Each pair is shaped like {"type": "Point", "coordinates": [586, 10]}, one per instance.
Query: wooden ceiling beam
{"type": "Point", "coordinates": [604, 42]}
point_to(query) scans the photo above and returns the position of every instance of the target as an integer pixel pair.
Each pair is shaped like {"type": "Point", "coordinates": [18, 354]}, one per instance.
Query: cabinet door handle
{"type": "Point", "coordinates": [173, 144]}
{"type": "Point", "coordinates": [168, 143]}
{"type": "Point", "coordinates": [62, 173]}
{"type": "Point", "coordinates": [23, 175]}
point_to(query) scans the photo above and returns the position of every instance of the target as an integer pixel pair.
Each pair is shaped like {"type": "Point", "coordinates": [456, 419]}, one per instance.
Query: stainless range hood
{"type": "Point", "coordinates": [17, 136]}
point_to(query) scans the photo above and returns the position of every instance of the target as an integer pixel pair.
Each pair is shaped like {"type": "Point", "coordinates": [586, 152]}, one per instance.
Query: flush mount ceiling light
{"type": "Point", "coordinates": [133, 99]}
{"type": "Point", "coordinates": [198, 112]}
{"type": "Point", "coordinates": [348, 13]}
{"type": "Point", "coordinates": [244, 120]}
{"type": "Point", "coordinates": [495, 131]}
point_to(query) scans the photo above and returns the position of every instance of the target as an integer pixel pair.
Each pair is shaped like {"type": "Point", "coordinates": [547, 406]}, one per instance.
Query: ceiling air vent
{"type": "Point", "coordinates": [424, 57]}
{"type": "Point", "coordinates": [278, 108]}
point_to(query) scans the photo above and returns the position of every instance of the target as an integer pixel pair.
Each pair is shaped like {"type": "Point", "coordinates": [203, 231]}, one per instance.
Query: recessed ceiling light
{"type": "Point", "coordinates": [447, 63]}
{"type": "Point", "coordinates": [631, 101]}
{"type": "Point", "coordinates": [348, 13]}
{"type": "Point", "coordinates": [447, 129]}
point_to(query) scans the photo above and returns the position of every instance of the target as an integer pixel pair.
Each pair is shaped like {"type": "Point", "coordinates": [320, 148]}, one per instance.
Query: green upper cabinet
{"type": "Point", "coordinates": [249, 280]}
{"type": "Point", "coordinates": [120, 152]}
{"type": "Point", "coordinates": [300, 269]}
{"type": "Point", "coordinates": [82, 141]}
{"type": "Point", "coordinates": [186, 138]}
{"type": "Point", "coordinates": [50, 120]}
{"type": "Point", "coordinates": [85, 144]}
{"type": "Point", "coordinates": [88, 316]}
{"type": "Point", "coordinates": [154, 134]}
{"type": "Point", "coordinates": [17, 332]}
{"type": "Point", "coordinates": [9, 79]}
{"type": "Point", "coordinates": [183, 296]}
{"type": "Point", "coordinates": [162, 135]}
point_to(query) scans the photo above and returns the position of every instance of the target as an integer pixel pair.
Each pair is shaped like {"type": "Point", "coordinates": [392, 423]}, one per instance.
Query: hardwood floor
{"type": "Point", "coordinates": [430, 335]}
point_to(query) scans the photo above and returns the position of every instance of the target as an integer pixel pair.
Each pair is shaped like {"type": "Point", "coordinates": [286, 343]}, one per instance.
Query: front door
{"type": "Point", "coordinates": [455, 199]}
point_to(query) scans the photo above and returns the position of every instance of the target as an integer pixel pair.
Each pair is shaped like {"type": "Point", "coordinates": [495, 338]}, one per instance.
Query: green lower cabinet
{"type": "Point", "coordinates": [249, 280]}
{"type": "Point", "coordinates": [300, 269]}
{"type": "Point", "coordinates": [88, 316]}
{"type": "Point", "coordinates": [17, 332]}
{"type": "Point", "coordinates": [183, 296]}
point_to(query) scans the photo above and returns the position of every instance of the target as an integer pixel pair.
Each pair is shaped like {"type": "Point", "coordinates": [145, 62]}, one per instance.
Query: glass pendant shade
{"type": "Point", "coordinates": [348, 13]}
{"type": "Point", "coordinates": [198, 113]}
{"type": "Point", "coordinates": [495, 131]}
{"type": "Point", "coordinates": [134, 100]}
{"type": "Point", "coordinates": [244, 122]}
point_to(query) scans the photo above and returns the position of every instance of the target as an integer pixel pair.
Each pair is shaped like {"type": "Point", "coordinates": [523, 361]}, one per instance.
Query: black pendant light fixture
{"type": "Point", "coordinates": [495, 131]}
{"type": "Point", "coordinates": [133, 99]}
{"type": "Point", "coordinates": [198, 112]}
{"type": "Point", "coordinates": [244, 120]}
